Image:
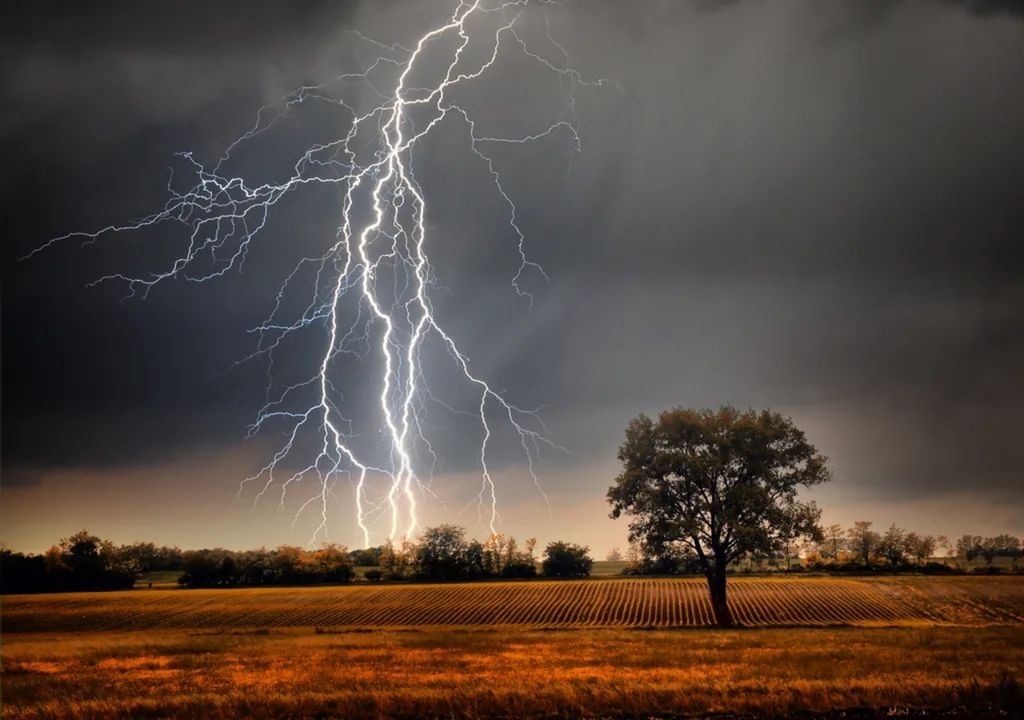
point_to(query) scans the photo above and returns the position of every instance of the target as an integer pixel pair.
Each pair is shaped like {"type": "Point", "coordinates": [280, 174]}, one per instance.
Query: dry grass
{"type": "Point", "coordinates": [599, 648]}
{"type": "Point", "coordinates": [508, 672]}
{"type": "Point", "coordinates": [755, 602]}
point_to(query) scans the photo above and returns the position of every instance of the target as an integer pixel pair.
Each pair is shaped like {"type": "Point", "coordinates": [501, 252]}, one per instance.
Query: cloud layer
{"type": "Point", "coordinates": [809, 206]}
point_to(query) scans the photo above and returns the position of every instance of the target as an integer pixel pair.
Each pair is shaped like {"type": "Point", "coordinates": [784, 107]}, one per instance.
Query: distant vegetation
{"type": "Point", "coordinates": [86, 562]}
{"type": "Point", "coordinates": [443, 554]}
{"type": "Point", "coordinates": [285, 565]}
{"type": "Point", "coordinates": [858, 549]}
{"type": "Point", "coordinates": [861, 548]}
{"type": "Point", "coordinates": [79, 562]}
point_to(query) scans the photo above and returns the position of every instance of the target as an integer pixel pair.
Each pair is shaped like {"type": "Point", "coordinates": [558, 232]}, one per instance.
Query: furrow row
{"type": "Point", "coordinates": [646, 602]}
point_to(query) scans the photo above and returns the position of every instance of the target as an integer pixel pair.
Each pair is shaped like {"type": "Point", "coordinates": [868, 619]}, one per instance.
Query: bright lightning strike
{"type": "Point", "coordinates": [370, 288]}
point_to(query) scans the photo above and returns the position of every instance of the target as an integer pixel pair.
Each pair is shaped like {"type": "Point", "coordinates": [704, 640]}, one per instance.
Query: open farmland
{"type": "Point", "coordinates": [470, 673]}
{"type": "Point", "coordinates": [756, 602]}
{"type": "Point", "coordinates": [520, 649]}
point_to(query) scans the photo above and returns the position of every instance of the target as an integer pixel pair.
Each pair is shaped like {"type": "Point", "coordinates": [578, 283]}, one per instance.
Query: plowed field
{"type": "Point", "coordinates": [661, 603]}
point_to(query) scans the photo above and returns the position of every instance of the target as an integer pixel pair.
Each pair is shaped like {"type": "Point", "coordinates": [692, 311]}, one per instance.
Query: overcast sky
{"type": "Point", "coordinates": [810, 206]}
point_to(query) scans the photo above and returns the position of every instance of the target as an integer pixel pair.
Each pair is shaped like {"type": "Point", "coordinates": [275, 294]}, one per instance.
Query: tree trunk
{"type": "Point", "coordinates": [716, 586]}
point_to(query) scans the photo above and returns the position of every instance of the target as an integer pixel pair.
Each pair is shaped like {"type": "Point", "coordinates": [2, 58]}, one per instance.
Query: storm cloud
{"type": "Point", "coordinates": [811, 206]}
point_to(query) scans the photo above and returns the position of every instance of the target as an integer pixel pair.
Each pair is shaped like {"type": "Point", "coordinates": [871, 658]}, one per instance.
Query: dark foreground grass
{"type": "Point", "coordinates": [514, 672]}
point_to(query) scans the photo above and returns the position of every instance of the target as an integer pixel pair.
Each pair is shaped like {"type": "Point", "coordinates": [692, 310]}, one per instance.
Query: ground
{"type": "Point", "coordinates": [598, 648]}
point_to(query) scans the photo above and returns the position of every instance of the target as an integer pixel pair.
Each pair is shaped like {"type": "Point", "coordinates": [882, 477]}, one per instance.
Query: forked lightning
{"type": "Point", "coordinates": [368, 293]}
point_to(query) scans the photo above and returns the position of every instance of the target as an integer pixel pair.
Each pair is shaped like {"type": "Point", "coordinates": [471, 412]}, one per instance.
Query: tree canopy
{"type": "Point", "coordinates": [563, 559]}
{"type": "Point", "coordinates": [721, 483]}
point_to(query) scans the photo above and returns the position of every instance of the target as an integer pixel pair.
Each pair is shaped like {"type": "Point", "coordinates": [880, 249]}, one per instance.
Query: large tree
{"type": "Point", "coordinates": [721, 482]}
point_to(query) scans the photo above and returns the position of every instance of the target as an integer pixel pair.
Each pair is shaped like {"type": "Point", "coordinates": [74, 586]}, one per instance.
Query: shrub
{"type": "Point", "coordinates": [562, 559]}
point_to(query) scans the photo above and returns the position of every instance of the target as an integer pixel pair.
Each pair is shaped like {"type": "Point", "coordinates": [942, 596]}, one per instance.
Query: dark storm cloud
{"type": "Point", "coordinates": [989, 8]}
{"type": "Point", "coordinates": [191, 27]}
{"type": "Point", "coordinates": [879, 8]}
{"type": "Point", "coordinates": [841, 226]}
{"type": "Point", "coordinates": [97, 99]}
{"type": "Point", "coordinates": [798, 205]}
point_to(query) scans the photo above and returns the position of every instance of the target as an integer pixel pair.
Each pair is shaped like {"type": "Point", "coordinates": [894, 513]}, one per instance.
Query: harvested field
{"type": "Point", "coordinates": [475, 673]}
{"type": "Point", "coordinates": [536, 649]}
{"type": "Point", "coordinates": [660, 603]}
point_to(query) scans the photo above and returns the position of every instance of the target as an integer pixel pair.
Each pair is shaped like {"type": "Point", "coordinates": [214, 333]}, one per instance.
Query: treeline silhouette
{"type": "Point", "coordinates": [82, 562]}
{"type": "Point", "coordinates": [284, 565]}
{"type": "Point", "coordinates": [856, 549]}
{"type": "Point", "coordinates": [443, 553]}
{"type": "Point", "coordinates": [895, 549]}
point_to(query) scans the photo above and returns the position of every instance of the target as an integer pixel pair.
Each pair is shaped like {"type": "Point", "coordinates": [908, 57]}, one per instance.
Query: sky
{"type": "Point", "coordinates": [812, 206]}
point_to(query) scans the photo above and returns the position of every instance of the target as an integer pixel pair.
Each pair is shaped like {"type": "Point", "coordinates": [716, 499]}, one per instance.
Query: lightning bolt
{"type": "Point", "coordinates": [376, 268]}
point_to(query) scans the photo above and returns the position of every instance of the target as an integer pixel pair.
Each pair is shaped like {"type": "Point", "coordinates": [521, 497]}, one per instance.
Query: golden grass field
{"type": "Point", "coordinates": [597, 648]}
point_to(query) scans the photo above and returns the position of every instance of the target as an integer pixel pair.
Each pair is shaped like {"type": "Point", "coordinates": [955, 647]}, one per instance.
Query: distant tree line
{"type": "Point", "coordinates": [970, 547]}
{"type": "Point", "coordinates": [859, 548]}
{"type": "Point", "coordinates": [283, 565]}
{"type": "Point", "coordinates": [443, 553]}
{"type": "Point", "coordinates": [82, 562]}
{"type": "Point", "coordinates": [862, 547]}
